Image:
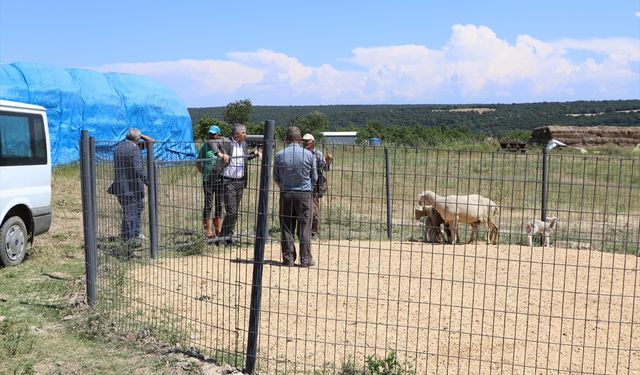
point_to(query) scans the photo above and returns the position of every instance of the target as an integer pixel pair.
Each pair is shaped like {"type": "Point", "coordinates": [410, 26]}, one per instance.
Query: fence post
{"type": "Point", "coordinates": [545, 179]}
{"type": "Point", "coordinates": [88, 212]}
{"type": "Point", "coordinates": [388, 191]}
{"type": "Point", "coordinates": [153, 200]}
{"type": "Point", "coordinates": [258, 247]}
{"type": "Point", "coordinates": [545, 183]}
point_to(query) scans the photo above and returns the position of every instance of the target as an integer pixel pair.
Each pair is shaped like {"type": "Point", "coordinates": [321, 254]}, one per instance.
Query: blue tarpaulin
{"type": "Point", "coordinates": [106, 105]}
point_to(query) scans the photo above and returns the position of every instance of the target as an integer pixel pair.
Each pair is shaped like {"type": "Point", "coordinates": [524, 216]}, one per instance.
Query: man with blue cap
{"type": "Point", "coordinates": [210, 165]}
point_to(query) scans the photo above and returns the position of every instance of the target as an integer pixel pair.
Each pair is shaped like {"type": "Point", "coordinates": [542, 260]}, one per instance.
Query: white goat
{"type": "Point", "coordinates": [469, 209]}
{"type": "Point", "coordinates": [547, 228]}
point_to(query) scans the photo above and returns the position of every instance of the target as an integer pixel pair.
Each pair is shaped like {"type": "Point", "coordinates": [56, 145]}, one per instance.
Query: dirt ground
{"type": "Point", "coordinates": [442, 308]}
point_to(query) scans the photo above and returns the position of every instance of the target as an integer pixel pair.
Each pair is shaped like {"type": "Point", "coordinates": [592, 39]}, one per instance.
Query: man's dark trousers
{"type": "Point", "coordinates": [296, 214]}
{"type": "Point", "coordinates": [233, 189]}
{"type": "Point", "coordinates": [132, 208]}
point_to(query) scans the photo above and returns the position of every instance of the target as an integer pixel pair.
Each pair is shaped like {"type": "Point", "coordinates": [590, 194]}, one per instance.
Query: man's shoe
{"type": "Point", "coordinates": [287, 264]}
{"type": "Point", "coordinates": [307, 265]}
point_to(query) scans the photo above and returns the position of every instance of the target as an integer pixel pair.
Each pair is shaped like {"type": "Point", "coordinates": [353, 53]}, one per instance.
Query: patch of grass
{"type": "Point", "coordinates": [230, 357]}
{"type": "Point", "coordinates": [42, 330]}
{"type": "Point", "coordinates": [195, 246]}
{"type": "Point", "coordinates": [67, 171]}
{"type": "Point", "coordinates": [15, 339]}
{"type": "Point", "coordinates": [388, 365]}
{"type": "Point", "coordinates": [349, 367]}
{"type": "Point", "coordinates": [24, 367]}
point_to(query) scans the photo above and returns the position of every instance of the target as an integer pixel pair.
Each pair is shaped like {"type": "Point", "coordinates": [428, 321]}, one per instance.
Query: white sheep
{"type": "Point", "coordinates": [432, 222]}
{"type": "Point", "coordinates": [469, 209]}
{"type": "Point", "coordinates": [547, 228]}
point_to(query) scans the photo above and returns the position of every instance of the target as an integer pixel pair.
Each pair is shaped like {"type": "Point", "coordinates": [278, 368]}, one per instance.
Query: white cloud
{"type": "Point", "coordinates": [475, 65]}
{"type": "Point", "coordinates": [191, 78]}
{"type": "Point", "coordinates": [278, 66]}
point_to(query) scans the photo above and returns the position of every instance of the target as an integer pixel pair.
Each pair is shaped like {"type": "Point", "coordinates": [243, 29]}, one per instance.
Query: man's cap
{"type": "Point", "coordinates": [214, 129]}
{"type": "Point", "coordinates": [308, 137]}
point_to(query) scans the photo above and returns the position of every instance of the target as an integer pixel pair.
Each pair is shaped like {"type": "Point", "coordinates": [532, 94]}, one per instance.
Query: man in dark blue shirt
{"type": "Point", "coordinates": [295, 173]}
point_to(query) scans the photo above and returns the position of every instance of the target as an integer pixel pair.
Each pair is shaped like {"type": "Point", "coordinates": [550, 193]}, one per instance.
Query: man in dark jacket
{"type": "Point", "coordinates": [319, 188]}
{"type": "Point", "coordinates": [235, 154]}
{"type": "Point", "coordinates": [129, 182]}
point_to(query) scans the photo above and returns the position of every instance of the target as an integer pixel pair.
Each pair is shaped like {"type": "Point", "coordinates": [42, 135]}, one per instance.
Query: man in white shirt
{"type": "Point", "coordinates": [235, 154]}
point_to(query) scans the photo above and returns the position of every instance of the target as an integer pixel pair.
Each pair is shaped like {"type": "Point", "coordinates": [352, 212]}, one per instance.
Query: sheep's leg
{"type": "Point", "coordinates": [488, 232]}
{"type": "Point", "coordinates": [453, 227]}
{"type": "Point", "coordinates": [530, 234]}
{"type": "Point", "coordinates": [546, 239]}
{"type": "Point", "coordinates": [437, 234]}
{"type": "Point", "coordinates": [474, 233]}
{"type": "Point", "coordinates": [427, 229]}
{"type": "Point", "coordinates": [494, 234]}
{"type": "Point", "coordinates": [447, 232]}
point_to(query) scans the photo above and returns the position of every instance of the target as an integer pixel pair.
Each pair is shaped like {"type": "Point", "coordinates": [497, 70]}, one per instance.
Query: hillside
{"type": "Point", "coordinates": [489, 119]}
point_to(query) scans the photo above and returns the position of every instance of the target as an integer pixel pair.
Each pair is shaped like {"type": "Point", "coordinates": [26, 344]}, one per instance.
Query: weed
{"type": "Point", "coordinates": [92, 325]}
{"type": "Point", "coordinates": [387, 366]}
{"type": "Point", "coordinates": [349, 367]}
{"type": "Point", "coordinates": [15, 339]}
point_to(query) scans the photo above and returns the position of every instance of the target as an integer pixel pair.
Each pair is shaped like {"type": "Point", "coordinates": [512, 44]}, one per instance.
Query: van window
{"type": "Point", "coordinates": [22, 139]}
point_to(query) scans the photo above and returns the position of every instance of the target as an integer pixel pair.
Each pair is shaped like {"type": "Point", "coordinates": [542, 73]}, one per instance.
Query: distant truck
{"type": "Point", "coordinates": [25, 178]}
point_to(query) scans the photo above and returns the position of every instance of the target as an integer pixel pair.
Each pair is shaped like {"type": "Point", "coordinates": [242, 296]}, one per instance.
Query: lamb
{"type": "Point", "coordinates": [469, 209]}
{"type": "Point", "coordinates": [547, 228]}
{"type": "Point", "coordinates": [432, 223]}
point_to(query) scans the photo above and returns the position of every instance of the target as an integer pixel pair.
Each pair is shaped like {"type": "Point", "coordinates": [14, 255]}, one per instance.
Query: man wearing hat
{"type": "Point", "coordinates": [320, 187]}
{"type": "Point", "coordinates": [210, 165]}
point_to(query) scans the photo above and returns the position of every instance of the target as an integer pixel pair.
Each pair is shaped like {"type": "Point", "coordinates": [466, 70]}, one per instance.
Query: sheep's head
{"type": "Point", "coordinates": [553, 222]}
{"type": "Point", "coordinates": [427, 197]}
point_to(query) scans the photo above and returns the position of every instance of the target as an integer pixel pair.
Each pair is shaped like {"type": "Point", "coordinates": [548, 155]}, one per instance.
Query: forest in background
{"type": "Point", "coordinates": [409, 124]}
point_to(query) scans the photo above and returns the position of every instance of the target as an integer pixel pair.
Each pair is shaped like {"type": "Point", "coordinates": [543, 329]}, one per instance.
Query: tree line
{"type": "Point", "coordinates": [426, 124]}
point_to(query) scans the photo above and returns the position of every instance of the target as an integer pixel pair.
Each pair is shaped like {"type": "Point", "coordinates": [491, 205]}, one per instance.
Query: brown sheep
{"type": "Point", "coordinates": [432, 223]}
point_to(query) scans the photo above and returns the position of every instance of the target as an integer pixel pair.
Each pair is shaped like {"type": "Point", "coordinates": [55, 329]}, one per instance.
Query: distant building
{"type": "Point", "coordinates": [339, 137]}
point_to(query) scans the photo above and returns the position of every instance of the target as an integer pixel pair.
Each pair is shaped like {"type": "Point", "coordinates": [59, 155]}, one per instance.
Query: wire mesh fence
{"type": "Point", "coordinates": [379, 293]}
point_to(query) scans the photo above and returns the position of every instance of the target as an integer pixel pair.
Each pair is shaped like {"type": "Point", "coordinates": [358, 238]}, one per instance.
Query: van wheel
{"type": "Point", "coordinates": [13, 248]}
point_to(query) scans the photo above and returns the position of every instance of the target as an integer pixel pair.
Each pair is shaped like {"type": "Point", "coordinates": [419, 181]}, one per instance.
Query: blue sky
{"type": "Point", "coordinates": [326, 52]}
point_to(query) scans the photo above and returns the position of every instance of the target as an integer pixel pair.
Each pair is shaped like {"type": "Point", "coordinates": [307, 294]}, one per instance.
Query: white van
{"type": "Point", "coordinates": [25, 178]}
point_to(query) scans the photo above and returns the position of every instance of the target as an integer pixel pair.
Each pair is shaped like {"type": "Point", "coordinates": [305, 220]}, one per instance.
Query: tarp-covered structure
{"type": "Point", "coordinates": [106, 105]}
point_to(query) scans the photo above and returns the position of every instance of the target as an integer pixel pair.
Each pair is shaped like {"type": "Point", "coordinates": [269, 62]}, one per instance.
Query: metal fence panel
{"type": "Point", "coordinates": [571, 307]}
